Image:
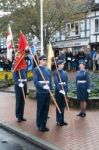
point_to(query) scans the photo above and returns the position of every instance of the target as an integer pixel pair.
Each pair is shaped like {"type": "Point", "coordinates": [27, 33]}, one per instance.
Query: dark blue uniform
{"type": "Point", "coordinates": [42, 95]}
{"type": "Point", "coordinates": [60, 97]}
{"type": "Point", "coordinates": [82, 83]}
{"type": "Point", "coordinates": [20, 102]}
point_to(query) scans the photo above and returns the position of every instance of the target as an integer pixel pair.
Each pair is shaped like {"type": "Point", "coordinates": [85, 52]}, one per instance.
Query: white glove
{"type": "Point", "coordinates": [46, 87]}
{"type": "Point", "coordinates": [88, 90]}
{"type": "Point", "coordinates": [21, 85]}
{"type": "Point", "coordinates": [62, 92]}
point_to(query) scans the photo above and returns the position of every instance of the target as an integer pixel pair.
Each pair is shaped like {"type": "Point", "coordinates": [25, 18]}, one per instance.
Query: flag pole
{"type": "Point", "coordinates": [41, 25]}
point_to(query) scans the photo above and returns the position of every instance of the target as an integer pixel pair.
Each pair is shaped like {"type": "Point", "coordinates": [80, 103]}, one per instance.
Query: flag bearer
{"type": "Point", "coordinates": [42, 93]}
{"type": "Point", "coordinates": [59, 92]}
{"type": "Point", "coordinates": [20, 79]}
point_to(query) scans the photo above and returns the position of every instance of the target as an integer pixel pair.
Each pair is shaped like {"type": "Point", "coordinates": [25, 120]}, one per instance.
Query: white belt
{"type": "Point", "coordinates": [81, 81]}
{"type": "Point", "coordinates": [62, 83]}
{"type": "Point", "coordinates": [73, 59]}
{"type": "Point", "coordinates": [68, 58]}
{"type": "Point", "coordinates": [22, 80]}
{"type": "Point", "coordinates": [43, 82]}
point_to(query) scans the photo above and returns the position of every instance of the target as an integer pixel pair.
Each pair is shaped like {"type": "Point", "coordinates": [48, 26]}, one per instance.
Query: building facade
{"type": "Point", "coordinates": [82, 34]}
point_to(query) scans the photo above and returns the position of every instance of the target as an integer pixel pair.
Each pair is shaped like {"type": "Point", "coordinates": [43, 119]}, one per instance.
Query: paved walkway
{"type": "Point", "coordinates": [83, 136]}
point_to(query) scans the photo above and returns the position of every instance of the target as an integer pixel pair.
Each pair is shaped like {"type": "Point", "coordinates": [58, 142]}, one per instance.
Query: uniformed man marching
{"type": "Point", "coordinates": [20, 79]}
{"type": "Point", "coordinates": [83, 88]}
{"type": "Point", "coordinates": [59, 92]}
{"type": "Point", "coordinates": [42, 93]}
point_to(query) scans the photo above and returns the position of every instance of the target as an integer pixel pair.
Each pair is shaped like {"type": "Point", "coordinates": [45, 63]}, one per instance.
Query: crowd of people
{"type": "Point", "coordinates": [72, 59]}
{"type": "Point", "coordinates": [5, 64]}
{"type": "Point", "coordinates": [91, 59]}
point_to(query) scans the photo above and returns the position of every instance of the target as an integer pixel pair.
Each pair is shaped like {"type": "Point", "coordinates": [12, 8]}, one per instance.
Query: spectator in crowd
{"type": "Point", "coordinates": [92, 58]}
{"type": "Point", "coordinates": [81, 55]}
{"type": "Point", "coordinates": [97, 60]}
{"type": "Point", "coordinates": [68, 59]}
{"type": "Point", "coordinates": [74, 62]}
{"type": "Point", "coordinates": [87, 60]}
{"type": "Point", "coordinates": [62, 56]}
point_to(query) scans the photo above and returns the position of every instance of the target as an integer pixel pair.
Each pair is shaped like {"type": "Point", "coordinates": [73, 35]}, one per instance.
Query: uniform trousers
{"type": "Point", "coordinates": [20, 102]}
{"type": "Point", "coordinates": [43, 101]}
{"type": "Point", "coordinates": [61, 103]}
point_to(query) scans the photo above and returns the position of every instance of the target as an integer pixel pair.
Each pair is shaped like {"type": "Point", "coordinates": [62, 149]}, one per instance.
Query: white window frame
{"type": "Point", "coordinates": [72, 32]}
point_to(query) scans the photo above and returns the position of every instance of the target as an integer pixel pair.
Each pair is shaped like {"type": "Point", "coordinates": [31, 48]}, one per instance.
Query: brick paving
{"type": "Point", "coordinates": [83, 135]}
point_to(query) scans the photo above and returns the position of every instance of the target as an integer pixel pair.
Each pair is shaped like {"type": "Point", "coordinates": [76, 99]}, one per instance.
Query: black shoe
{"type": "Point", "coordinates": [83, 115]}
{"type": "Point", "coordinates": [19, 120]}
{"type": "Point", "coordinates": [23, 119]}
{"type": "Point", "coordinates": [43, 129]}
{"type": "Point", "coordinates": [59, 124]}
{"type": "Point", "coordinates": [46, 129]}
{"type": "Point", "coordinates": [80, 114]}
{"type": "Point", "coordinates": [64, 123]}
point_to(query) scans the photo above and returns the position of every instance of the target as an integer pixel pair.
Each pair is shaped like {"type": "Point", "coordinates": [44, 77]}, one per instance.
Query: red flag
{"type": "Point", "coordinates": [20, 62]}
{"type": "Point", "coordinates": [22, 44]}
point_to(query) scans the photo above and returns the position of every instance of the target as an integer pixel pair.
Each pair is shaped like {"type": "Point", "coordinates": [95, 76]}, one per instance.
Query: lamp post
{"type": "Point", "coordinates": [41, 24]}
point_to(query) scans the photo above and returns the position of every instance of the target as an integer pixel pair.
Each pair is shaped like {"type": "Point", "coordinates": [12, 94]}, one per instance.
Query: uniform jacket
{"type": "Point", "coordinates": [17, 77]}
{"type": "Point", "coordinates": [83, 75]}
{"type": "Point", "coordinates": [64, 80]}
{"type": "Point", "coordinates": [38, 80]}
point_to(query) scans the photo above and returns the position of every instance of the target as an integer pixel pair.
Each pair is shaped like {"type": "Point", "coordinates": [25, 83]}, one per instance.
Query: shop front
{"type": "Point", "coordinates": [73, 45]}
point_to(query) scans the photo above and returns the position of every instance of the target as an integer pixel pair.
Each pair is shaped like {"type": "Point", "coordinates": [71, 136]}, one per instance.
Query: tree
{"type": "Point", "coordinates": [26, 16]}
